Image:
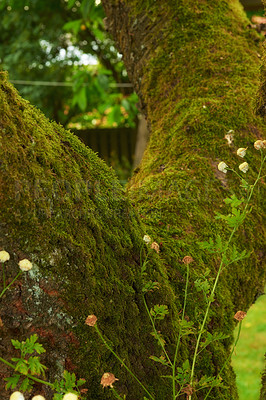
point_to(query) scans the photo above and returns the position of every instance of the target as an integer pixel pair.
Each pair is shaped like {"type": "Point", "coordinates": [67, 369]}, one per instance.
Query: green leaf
{"type": "Point", "coordinates": [245, 184]}
{"type": "Point", "coordinates": [58, 396]}
{"type": "Point", "coordinates": [86, 7]}
{"type": "Point", "coordinates": [35, 366]}
{"type": "Point", "coordinates": [26, 385]}
{"type": "Point", "coordinates": [16, 343]}
{"type": "Point", "coordinates": [82, 99]}
{"type": "Point", "coordinates": [126, 104]}
{"type": "Point", "coordinates": [186, 366]}
{"type": "Point", "coordinates": [12, 381]}
{"type": "Point", "coordinates": [159, 311]}
{"type": "Point", "coordinates": [73, 26]}
{"type": "Point", "coordinates": [160, 360]}
{"type": "Point", "coordinates": [81, 382]}
{"type": "Point", "coordinates": [39, 348]}
{"type": "Point", "coordinates": [186, 327]}
{"type": "Point", "coordinates": [212, 246]}
{"type": "Point", "coordinates": [233, 201]}
{"type": "Point", "coordinates": [212, 338]}
{"type": "Point", "coordinates": [150, 286]}
{"type": "Point", "coordinates": [71, 3]}
{"type": "Point", "coordinates": [21, 366]}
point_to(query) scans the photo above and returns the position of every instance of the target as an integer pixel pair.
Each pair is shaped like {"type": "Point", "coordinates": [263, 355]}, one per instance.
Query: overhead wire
{"type": "Point", "coordinates": [50, 83]}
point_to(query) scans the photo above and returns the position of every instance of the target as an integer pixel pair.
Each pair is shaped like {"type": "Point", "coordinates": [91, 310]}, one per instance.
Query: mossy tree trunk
{"type": "Point", "coordinates": [195, 66]}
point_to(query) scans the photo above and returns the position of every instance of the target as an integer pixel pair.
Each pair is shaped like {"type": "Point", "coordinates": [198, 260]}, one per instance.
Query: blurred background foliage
{"type": "Point", "coordinates": [68, 60]}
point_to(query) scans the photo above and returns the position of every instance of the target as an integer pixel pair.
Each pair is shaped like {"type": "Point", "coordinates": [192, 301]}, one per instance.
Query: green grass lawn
{"type": "Point", "coordinates": [248, 360]}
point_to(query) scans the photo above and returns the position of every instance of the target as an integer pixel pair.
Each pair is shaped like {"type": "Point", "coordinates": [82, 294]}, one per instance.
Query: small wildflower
{"type": "Point", "coordinates": [241, 152]}
{"type": "Point", "coordinates": [187, 260]}
{"type": "Point", "coordinates": [155, 247]}
{"type": "Point", "coordinates": [243, 167]}
{"type": "Point", "coordinates": [4, 256]}
{"type": "Point", "coordinates": [91, 320]}
{"type": "Point", "coordinates": [230, 137]}
{"type": "Point", "coordinates": [38, 397]}
{"type": "Point", "coordinates": [25, 265]}
{"type": "Point", "coordinates": [147, 239]}
{"type": "Point", "coordinates": [259, 144]}
{"type": "Point", "coordinates": [70, 396]}
{"type": "Point", "coordinates": [17, 396]}
{"type": "Point", "coordinates": [188, 390]}
{"type": "Point", "coordinates": [222, 167]}
{"type": "Point", "coordinates": [240, 315]}
{"type": "Point", "coordinates": [108, 379]}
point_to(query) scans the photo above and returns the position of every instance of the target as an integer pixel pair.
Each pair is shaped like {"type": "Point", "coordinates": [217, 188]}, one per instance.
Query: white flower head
{"type": "Point", "coordinates": [4, 256]}
{"type": "Point", "coordinates": [17, 396]}
{"type": "Point", "coordinates": [244, 167]}
{"type": "Point", "coordinates": [222, 167]}
{"type": "Point", "coordinates": [241, 152]}
{"type": "Point", "coordinates": [147, 239]}
{"type": "Point", "coordinates": [38, 397]}
{"type": "Point", "coordinates": [70, 396]}
{"type": "Point", "coordinates": [259, 144]}
{"type": "Point", "coordinates": [25, 265]}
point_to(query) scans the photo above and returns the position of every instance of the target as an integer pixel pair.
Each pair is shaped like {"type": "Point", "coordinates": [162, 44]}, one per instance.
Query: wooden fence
{"type": "Point", "coordinates": [110, 144]}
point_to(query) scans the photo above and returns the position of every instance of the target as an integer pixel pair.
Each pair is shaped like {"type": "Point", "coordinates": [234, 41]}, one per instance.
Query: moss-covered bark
{"type": "Point", "coordinates": [64, 209]}
{"type": "Point", "coordinates": [195, 67]}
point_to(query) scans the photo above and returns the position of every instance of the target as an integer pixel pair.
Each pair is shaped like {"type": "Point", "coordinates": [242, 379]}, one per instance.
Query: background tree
{"type": "Point", "coordinates": [52, 42]}
{"type": "Point", "coordinates": [195, 66]}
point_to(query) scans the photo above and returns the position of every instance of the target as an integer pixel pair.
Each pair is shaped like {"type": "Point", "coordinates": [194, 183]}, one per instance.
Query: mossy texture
{"type": "Point", "coordinates": [64, 209]}
{"type": "Point", "coordinates": [196, 66]}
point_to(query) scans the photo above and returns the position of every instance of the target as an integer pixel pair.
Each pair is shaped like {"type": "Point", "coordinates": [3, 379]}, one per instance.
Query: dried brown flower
{"type": "Point", "coordinates": [188, 390]}
{"type": "Point", "coordinates": [108, 379]}
{"type": "Point", "coordinates": [91, 320]}
{"type": "Point", "coordinates": [155, 247]}
{"type": "Point", "coordinates": [240, 315]}
{"type": "Point", "coordinates": [187, 260]}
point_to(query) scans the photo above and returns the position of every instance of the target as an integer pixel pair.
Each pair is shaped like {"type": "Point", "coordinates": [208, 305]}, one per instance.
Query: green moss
{"type": "Point", "coordinates": [65, 209]}
{"type": "Point", "coordinates": [198, 82]}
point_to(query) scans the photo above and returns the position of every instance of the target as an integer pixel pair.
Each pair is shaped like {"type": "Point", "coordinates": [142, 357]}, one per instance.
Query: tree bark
{"type": "Point", "coordinates": [195, 67]}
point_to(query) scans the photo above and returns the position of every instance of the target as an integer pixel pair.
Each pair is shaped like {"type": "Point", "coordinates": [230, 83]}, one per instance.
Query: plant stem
{"type": "Point", "coordinates": [5, 289]}
{"type": "Point", "coordinates": [179, 333]}
{"type": "Point", "coordinates": [219, 272]}
{"type": "Point", "coordinates": [155, 331]}
{"type": "Point", "coordinates": [228, 358]}
{"type": "Point", "coordinates": [208, 308]}
{"type": "Point", "coordinates": [116, 394]}
{"type": "Point", "coordinates": [121, 361]}
{"type": "Point", "coordinates": [28, 375]}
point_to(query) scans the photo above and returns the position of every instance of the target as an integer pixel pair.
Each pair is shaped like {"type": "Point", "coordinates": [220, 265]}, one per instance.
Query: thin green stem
{"type": "Point", "coordinates": [208, 308]}
{"type": "Point", "coordinates": [116, 394]}
{"type": "Point", "coordinates": [228, 358]}
{"type": "Point", "coordinates": [28, 375]}
{"type": "Point", "coordinates": [179, 333]}
{"type": "Point", "coordinates": [122, 362]}
{"type": "Point", "coordinates": [256, 181]}
{"type": "Point", "coordinates": [219, 272]}
{"type": "Point", "coordinates": [155, 331]}
{"type": "Point", "coordinates": [239, 176]}
{"type": "Point", "coordinates": [5, 289]}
